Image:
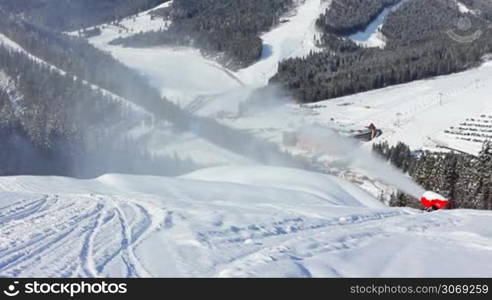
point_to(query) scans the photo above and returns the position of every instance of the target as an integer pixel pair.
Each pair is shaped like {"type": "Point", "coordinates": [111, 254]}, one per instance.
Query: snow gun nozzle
{"type": "Point", "coordinates": [433, 201]}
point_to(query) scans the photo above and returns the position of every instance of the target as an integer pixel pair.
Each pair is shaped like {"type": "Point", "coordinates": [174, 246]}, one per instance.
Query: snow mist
{"type": "Point", "coordinates": [350, 154]}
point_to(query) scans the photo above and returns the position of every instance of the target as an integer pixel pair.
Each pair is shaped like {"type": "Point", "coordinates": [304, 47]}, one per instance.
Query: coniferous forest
{"type": "Point", "coordinates": [418, 46]}
{"type": "Point", "coordinates": [61, 99]}
{"type": "Point", "coordinates": [67, 15]}
{"type": "Point", "coordinates": [464, 179]}
{"type": "Point", "coordinates": [54, 121]}
{"type": "Point", "coordinates": [229, 29]}
{"type": "Point", "coordinates": [349, 16]}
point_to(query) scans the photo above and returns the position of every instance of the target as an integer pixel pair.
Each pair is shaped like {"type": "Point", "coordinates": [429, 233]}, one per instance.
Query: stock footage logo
{"type": "Point", "coordinates": [464, 32]}
{"type": "Point", "coordinates": [12, 290]}
{"type": "Point", "coordinates": [64, 288]}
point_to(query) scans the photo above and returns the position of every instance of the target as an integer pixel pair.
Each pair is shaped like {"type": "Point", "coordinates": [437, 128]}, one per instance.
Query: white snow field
{"type": "Point", "coordinates": [229, 221]}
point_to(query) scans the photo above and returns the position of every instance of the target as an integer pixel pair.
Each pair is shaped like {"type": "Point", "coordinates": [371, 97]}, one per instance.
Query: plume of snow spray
{"type": "Point", "coordinates": [350, 154]}
{"type": "Point", "coordinates": [348, 151]}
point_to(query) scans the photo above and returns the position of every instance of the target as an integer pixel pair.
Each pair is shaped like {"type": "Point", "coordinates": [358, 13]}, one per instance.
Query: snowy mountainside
{"type": "Point", "coordinates": [424, 114]}
{"type": "Point", "coordinates": [7, 85]}
{"type": "Point", "coordinates": [293, 38]}
{"type": "Point", "coordinates": [341, 192]}
{"type": "Point", "coordinates": [5, 41]}
{"type": "Point", "coordinates": [138, 226]}
{"type": "Point", "coordinates": [158, 134]}
{"type": "Point", "coordinates": [420, 113]}
{"type": "Point", "coordinates": [60, 15]}
{"type": "Point", "coordinates": [246, 220]}
{"type": "Point", "coordinates": [203, 87]}
{"type": "Point", "coordinates": [140, 22]}
{"type": "Point", "coordinates": [404, 112]}
{"type": "Point", "coordinates": [184, 74]}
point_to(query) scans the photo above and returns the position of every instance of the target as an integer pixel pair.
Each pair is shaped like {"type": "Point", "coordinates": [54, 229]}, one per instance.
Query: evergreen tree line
{"type": "Point", "coordinates": [482, 6]}
{"type": "Point", "coordinates": [464, 179]}
{"type": "Point", "coordinates": [68, 126]}
{"type": "Point", "coordinates": [228, 29]}
{"type": "Point", "coordinates": [52, 105]}
{"type": "Point", "coordinates": [59, 125]}
{"type": "Point", "coordinates": [417, 20]}
{"type": "Point", "coordinates": [78, 58]}
{"type": "Point", "coordinates": [321, 76]}
{"type": "Point", "coordinates": [418, 47]}
{"type": "Point", "coordinates": [345, 17]}
{"type": "Point", "coordinates": [69, 15]}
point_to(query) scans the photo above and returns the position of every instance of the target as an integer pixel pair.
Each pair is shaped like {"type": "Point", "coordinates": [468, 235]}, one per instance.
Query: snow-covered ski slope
{"type": "Point", "coordinates": [425, 114]}
{"type": "Point", "coordinates": [228, 222]}
{"type": "Point", "coordinates": [446, 112]}
{"type": "Point", "coordinates": [293, 38]}
{"type": "Point", "coordinates": [246, 221]}
{"type": "Point", "coordinates": [421, 113]}
{"type": "Point", "coordinates": [183, 74]}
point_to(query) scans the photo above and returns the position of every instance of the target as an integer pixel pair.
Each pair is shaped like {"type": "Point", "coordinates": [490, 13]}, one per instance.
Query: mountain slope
{"type": "Point", "coordinates": [49, 118]}
{"type": "Point", "coordinates": [447, 112]}
{"type": "Point", "coordinates": [133, 226]}
{"type": "Point", "coordinates": [183, 75]}
{"type": "Point", "coordinates": [129, 132]}
{"type": "Point", "coordinates": [248, 221]}
{"type": "Point", "coordinates": [227, 30]}
{"type": "Point", "coordinates": [62, 15]}
{"type": "Point", "coordinates": [422, 39]}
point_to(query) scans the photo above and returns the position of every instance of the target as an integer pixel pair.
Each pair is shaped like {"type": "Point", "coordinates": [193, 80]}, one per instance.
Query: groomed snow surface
{"type": "Point", "coordinates": [229, 221]}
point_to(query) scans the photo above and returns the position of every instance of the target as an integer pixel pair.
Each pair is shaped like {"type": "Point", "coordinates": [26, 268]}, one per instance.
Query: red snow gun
{"type": "Point", "coordinates": [433, 201]}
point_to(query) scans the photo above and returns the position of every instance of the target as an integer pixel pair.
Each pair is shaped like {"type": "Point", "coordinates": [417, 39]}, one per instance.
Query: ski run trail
{"type": "Point", "coordinates": [228, 221]}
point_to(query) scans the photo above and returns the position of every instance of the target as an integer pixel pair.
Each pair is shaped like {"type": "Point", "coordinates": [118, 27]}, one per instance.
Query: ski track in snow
{"type": "Point", "coordinates": [140, 226]}
{"type": "Point", "coordinates": [61, 236]}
